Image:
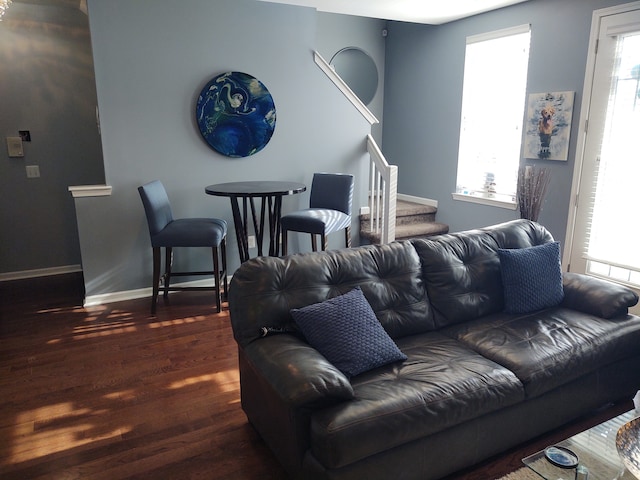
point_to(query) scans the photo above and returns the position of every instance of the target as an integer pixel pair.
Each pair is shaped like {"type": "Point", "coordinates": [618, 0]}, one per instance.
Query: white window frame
{"type": "Point", "coordinates": [507, 201]}
{"type": "Point", "coordinates": [573, 240]}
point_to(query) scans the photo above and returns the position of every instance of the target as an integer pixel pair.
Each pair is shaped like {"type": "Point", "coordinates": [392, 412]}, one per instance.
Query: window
{"type": "Point", "coordinates": [615, 175]}
{"type": "Point", "coordinates": [493, 102]}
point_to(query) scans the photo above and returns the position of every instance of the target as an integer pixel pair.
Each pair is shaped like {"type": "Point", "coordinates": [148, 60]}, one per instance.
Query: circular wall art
{"type": "Point", "coordinates": [236, 114]}
{"type": "Point", "coordinates": [358, 70]}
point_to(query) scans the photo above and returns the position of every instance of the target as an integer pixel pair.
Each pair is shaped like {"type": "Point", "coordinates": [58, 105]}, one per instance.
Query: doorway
{"type": "Point", "coordinates": [603, 226]}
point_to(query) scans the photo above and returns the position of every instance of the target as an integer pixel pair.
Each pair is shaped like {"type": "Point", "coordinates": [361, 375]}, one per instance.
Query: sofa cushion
{"type": "Point", "coordinates": [442, 383]}
{"type": "Point", "coordinates": [531, 277]}
{"type": "Point", "coordinates": [346, 331]}
{"type": "Point", "coordinates": [552, 347]}
{"type": "Point", "coordinates": [462, 275]}
{"type": "Point", "coordinates": [462, 270]}
{"type": "Point", "coordinates": [265, 289]}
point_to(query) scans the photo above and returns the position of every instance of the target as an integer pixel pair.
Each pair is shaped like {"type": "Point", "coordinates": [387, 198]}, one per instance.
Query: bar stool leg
{"type": "Point", "coordinates": [156, 279]}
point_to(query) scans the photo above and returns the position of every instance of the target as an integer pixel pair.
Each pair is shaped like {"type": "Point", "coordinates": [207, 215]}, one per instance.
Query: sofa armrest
{"type": "Point", "coordinates": [596, 296]}
{"type": "Point", "coordinates": [299, 374]}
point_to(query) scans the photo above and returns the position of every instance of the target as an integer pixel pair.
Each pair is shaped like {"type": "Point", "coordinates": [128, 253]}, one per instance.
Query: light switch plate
{"type": "Point", "coordinates": [14, 147]}
{"type": "Point", "coordinates": [33, 171]}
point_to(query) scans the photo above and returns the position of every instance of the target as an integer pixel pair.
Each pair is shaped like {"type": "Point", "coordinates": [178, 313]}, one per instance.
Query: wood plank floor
{"type": "Point", "coordinates": [110, 392]}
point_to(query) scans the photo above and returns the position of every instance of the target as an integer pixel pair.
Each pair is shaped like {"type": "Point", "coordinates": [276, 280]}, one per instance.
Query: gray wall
{"type": "Point", "coordinates": [336, 32]}
{"type": "Point", "coordinates": [47, 87]}
{"type": "Point", "coordinates": [151, 60]}
{"type": "Point", "coordinates": [423, 99]}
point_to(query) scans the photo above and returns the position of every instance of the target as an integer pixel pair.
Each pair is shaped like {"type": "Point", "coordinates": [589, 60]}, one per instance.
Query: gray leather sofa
{"type": "Point", "coordinates": [476, 381]}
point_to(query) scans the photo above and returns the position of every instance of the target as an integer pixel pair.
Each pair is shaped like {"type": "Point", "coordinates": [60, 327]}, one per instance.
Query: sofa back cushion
{"type": "Point", "coordinates": [462, 270]}
{"type": "Point", "coordinates": [264, 290]}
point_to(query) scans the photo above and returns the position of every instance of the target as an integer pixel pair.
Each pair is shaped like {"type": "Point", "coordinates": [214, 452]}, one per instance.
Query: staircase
{"type": "Point", "coordinates": [395, 217]}
{"type": "Point", "coordinates": [413, 220]}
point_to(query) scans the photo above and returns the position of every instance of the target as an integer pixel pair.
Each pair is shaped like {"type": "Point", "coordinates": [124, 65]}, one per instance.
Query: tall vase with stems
{"type": "Point", "coordinates": [532, 188]}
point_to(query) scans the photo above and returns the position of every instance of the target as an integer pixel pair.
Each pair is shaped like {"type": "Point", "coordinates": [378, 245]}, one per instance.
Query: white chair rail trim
{"type": "Point", "coordinates": [344, 88]}
{"type": "Point", "coordinates": [79, 191]}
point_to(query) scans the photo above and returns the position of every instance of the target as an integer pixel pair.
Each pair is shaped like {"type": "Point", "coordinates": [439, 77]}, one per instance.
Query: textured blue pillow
{"type": "Point", "coordinates": [531, 277]}
{"type": "Point", "coordinates": [346, 331]}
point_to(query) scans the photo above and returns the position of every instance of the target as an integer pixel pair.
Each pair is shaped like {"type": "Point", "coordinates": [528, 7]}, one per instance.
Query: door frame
{"type": "Point", "coordinates": [585, 109]}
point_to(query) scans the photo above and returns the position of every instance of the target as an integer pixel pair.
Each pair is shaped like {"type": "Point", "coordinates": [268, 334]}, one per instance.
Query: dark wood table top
{"type": "Point", "coordinates": [257, 188]}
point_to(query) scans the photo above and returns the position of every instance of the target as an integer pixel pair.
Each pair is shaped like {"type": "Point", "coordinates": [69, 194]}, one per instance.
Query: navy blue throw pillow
{"type": "Point", "coordinates": [346, 331]}
{"type": "Point", "coordinates": [531, 277]}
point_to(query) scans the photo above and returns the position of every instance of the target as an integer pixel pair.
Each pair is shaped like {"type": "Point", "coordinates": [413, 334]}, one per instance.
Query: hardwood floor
{"type": "Point", "coordinates": [110, 392]}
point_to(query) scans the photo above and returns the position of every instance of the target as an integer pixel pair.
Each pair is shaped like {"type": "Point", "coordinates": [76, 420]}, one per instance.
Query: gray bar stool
{"type": "Point", "coordinates": [329, 210]}
{"type": "Point", "coordinates": [167, 232]}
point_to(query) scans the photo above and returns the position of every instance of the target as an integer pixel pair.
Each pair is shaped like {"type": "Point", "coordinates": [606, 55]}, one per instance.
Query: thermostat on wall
{"type": "Point", "coordinates": [14, 147]}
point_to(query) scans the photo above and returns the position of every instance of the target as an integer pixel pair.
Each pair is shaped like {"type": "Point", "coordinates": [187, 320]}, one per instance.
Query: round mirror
{"type": "Point", "coordinates": [358, 70]}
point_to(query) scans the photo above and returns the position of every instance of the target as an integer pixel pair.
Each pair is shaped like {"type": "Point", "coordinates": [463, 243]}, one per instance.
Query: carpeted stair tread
{"type": "Point", "coordinates": [415, 230]}
{"type": "Point", "coordinates": [404, 208]}
{"type": "Point", "coordinates": [413, 220]}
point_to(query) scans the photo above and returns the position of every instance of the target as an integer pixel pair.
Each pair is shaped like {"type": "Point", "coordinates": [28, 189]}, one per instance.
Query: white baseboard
{"type": "Point", "coordinates": [93, 300]}
{"type": "Point", "coordinates": [40, 272]}
{"type": "Point", "coordinates": [420, 200]}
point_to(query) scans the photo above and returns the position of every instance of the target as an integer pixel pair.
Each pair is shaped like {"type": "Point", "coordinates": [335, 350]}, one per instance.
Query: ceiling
{"type": "Point", "coordinates": [434, 12]}
{"type": "Point", "coordinates": [79, 4]}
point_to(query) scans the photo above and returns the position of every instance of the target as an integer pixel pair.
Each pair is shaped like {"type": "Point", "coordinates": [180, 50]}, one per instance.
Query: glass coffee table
{"type": "Point", "coordinates": [596, 452]}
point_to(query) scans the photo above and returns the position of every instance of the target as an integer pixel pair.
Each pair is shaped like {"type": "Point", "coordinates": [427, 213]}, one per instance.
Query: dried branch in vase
{"type": "Point", "coordinates": [532, 188]}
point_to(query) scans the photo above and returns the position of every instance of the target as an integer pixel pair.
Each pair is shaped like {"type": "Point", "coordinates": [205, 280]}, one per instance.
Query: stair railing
{"type": "Point", "coordinates": [383, 188]}
{"type": "Point", "coordinates": [383, 194]}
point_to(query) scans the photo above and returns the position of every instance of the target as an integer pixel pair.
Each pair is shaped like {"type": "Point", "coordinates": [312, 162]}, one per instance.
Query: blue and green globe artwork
{"type": "Point", "coordinates": [236, 114]}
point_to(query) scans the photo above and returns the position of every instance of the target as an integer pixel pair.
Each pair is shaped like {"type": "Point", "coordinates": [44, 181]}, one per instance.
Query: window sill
{"type": "Point", "coordinates": [493, 202]}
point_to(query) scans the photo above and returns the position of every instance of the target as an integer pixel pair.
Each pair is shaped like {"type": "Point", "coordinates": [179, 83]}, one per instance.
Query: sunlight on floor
{"type": "Point", "coordinates": [100, 369]}
{"type": "Point", "coordinates": [59, 310]}
{"type": "Point", "coordinates": [103, 329]}
{"type": "Point", "coordinates": [56, 428]}
{"type": "Point", "coordinates": [177, 321]}
{"type": "Point", "coordinates": [226, 381]}
{"type": "Point", "coordinates": [117, 323]}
